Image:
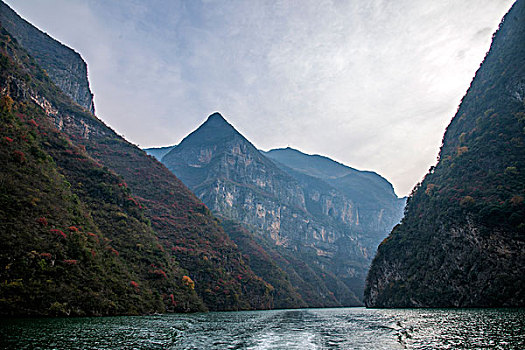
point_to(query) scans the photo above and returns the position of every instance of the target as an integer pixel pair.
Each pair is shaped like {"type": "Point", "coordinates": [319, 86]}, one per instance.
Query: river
{"type": "Point", "coordinates": [342, 328]}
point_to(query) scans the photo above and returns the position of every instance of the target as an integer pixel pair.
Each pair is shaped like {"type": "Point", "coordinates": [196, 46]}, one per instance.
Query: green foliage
{"type": "Point", "coordinates": [66, 249]}
{"type": "Point", "coordinates": [464, 224]}
{"type": "Point", "coordinates": [139, 227]}
{"type": "Point", "coordinates": [258, 257]}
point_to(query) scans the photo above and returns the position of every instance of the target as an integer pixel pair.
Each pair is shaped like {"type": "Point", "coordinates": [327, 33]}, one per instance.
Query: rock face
{"type": "Point", "coordinates": [75, 241]}
{"type": "Point", "coordinates": [296, 211]}
{"type": "Point", "coordinates": [72, 189]}
{"type": "Point", "coordinates": [462, 240]}
{"type": "Point", "coordinates": [363, 201]}
{"type": "Point", "coordinates": [64, 66]}
{"type": "Point", "coordinates": [216, 162]}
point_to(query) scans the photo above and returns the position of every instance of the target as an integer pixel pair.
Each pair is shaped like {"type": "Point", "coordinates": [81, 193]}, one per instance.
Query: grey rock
{"type": "Point", "coordinates": [65, 67]}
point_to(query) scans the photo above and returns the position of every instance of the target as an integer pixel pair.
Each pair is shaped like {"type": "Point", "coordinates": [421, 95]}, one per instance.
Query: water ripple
{"type": "Point", "coordinates": [344, 328]}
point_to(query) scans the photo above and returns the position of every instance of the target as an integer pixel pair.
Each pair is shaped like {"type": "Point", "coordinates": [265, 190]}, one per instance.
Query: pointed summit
{"type": "Point", "coordinates": [216, 117]}
{"type": "Point", "coordinates": [214, 129]}
{"type": "Point", "coordinates": [207, 149]}
{"type": "Point", "coordinates": [216, 120]}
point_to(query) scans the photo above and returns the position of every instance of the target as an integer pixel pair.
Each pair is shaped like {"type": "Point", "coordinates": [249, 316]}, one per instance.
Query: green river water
{"type": "Point", "coordinates": [343, 328]}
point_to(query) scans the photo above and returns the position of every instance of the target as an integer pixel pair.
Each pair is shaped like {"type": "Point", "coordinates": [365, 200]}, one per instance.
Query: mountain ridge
{"type": "Point", "coordinates": [65, 66]}
{"type": "Point", "coordinates": [62, 218]}
{"type": "Point", "coordinates": [190, 253]}
{"type": "Point", "coordinates": [241, 183]}
{"type": "Point", "coordinates": [461, 242]}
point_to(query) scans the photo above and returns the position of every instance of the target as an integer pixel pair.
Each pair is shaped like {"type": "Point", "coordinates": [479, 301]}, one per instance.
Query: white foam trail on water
{"type": "Point", "coordinates": [273, 340]}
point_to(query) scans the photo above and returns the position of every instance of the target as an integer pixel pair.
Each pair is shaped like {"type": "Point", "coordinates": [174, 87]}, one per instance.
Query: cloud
{"type": "Point", "coordinates": [372, 84]}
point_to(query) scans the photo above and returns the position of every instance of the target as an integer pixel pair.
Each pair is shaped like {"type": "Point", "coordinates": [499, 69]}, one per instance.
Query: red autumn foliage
{"type": "Point", "coordinates": [58, 232]}
{"type": "Point", "coordinates": [32, 122]}
{"type": "Point", "coordinates": [70, 261]}
{"type": "Point", "coordinates": [188, 282]}
{"type": "Point", "coordinates": [134, 285]}
{"type": "Point", "coordinates": [160, 273]}
{"type": "Point", "coordinates": [8, 139]}
{"type": "Point", "coordinates": [45, 255]}
{"type": "Point", "coordinates": [42, 221]}
{"type": "Point", "coordinates": [91, 234]}
{"type": "Point", "coordinates": [173, 302]}
{"type": "Point", "coordinates": [123, 184]}
{"type": "Point", "coordinates": [19, 156]}
{"type": "Point", "coordinates": [114, 251]}
{"type": "Point", "coordinates": [133, 200]}
{"type": "Point", "coordinates": [93, 253]}
{"type": "Point", "coordinates": [73, 229]}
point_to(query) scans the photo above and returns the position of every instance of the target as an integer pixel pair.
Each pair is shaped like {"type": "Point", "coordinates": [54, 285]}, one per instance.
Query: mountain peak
{"type": "Point", "coordinates": [215, 130]}
{"type": "Point", "coordinates": [216, 124]}
{"type": "Point", "coordinates": [216, 119]}
{"type": "Point", "coordinates": [216, 116]}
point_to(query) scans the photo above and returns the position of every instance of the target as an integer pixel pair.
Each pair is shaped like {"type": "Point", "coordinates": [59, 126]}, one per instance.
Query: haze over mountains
{"type": "Point", "coordinates": [377, 205]}
{"type": "Point", "coordinates": [331, 216]}
{"type": "Point", "coordinates": [92, 225]}
{"type": "Point", "coordinates": [122, 215]}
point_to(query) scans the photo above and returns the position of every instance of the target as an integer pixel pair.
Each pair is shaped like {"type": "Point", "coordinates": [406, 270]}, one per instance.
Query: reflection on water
{"type": "Point", "coordinates": [345, 328]}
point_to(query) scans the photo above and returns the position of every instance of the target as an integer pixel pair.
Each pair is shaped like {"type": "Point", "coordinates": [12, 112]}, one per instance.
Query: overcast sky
{"type": "Point", "coordinates": [369, 83]}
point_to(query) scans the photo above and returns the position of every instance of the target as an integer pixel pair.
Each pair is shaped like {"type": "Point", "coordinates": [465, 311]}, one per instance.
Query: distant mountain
{"type": "Point", "coordinates": [90, 224]}
{"type": "Point", "coordinates": [462, 240]}
{"type": "Point", "coordinates": [377, 205]}
{"type": "Point", "coordinates": [297, 212]}
{"type": "Point", "coordinates": [158, 152]}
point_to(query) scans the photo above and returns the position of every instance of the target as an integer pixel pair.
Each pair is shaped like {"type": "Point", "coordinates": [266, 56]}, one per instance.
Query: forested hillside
{"type": "Point", "coordinates": [462, 240]}
{"type": "Point", "coordinates": [77, 196]}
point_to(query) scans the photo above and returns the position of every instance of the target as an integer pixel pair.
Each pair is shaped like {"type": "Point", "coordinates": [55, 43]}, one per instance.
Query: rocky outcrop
{"type": "Point", "coordinates": [297, 212]}
{"type": "Point", "coordinates": [462, 240]}
{"type": "Point", "coordinates": [64, 66]}
{"type": "Point", "coordinates": [228, 173]}
{"type": "Point", "coordinates": [165, 235]}
{"type": "Point", "coordinates": [70, 229]}
{"type": "Point", "coordinates": [362, 201]}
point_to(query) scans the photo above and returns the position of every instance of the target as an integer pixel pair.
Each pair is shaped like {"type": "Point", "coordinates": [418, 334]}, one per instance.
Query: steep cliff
{"type": "Point", "coordinates": [74, 239]}
{"type": "Point", "coordinates": [166, 238]}
{"type": "Point", "coordinates": [299, 213]}
{"type": "Point", "coordinates": [64, 66]}
{"type": "Point", "coordinates": [266, 262]}
{"type": "Point", "coordinates": [226, 172]}
{"type": "Point", "coordinates": [462, 240]}
{"type": "Point", "coordinates": [375, 210]}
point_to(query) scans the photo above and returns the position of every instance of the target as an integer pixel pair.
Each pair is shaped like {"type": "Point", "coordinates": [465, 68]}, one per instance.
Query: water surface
{"type": "Point", "coordinates": [344, 328]}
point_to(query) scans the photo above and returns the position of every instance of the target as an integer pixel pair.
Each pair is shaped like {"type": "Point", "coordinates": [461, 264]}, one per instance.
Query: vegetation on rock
{"type": "Point", "coordinates": [462, 240]}
{"type": "Point", "coordinates": [326, 237]}
{"type": "Point", "coordinates": [72, 242]}
{"type": "Point", "coordinates": [92, 224]}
